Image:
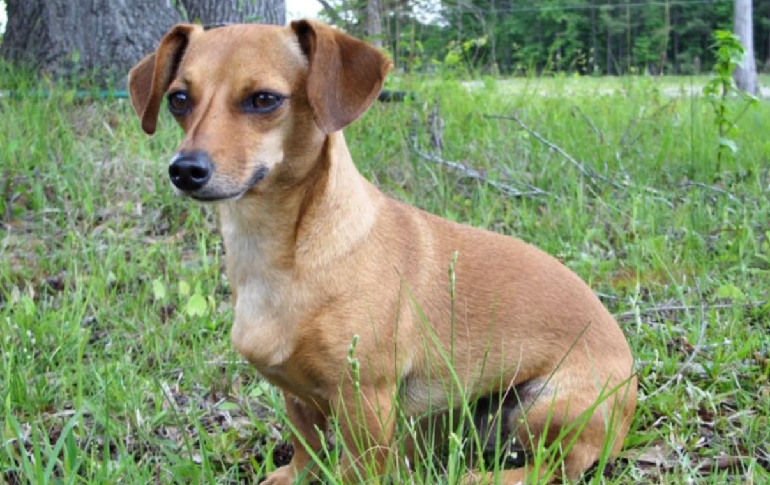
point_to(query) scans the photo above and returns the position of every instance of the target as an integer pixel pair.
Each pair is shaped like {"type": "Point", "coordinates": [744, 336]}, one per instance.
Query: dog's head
{"type": "Point", "coordinates": [255, 101]}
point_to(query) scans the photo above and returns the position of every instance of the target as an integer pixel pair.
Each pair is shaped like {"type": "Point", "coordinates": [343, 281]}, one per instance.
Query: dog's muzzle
{"type": "Point", "coordinates": [190, 172]}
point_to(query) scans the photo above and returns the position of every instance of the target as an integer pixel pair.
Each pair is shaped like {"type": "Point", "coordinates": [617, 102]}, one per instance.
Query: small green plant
{"type": "Point", "coordinates": [721, 87]}
{"type": "Point", "coordinates": [195, 304]}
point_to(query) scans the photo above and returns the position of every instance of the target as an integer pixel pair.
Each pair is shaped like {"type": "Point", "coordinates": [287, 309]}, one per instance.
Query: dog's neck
{"type": "Point", "coordinates": [321, 220]}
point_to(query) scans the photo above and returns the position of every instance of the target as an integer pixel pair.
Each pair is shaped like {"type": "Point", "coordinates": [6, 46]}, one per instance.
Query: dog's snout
{"type": "Point", "coordinates": [190, 172]}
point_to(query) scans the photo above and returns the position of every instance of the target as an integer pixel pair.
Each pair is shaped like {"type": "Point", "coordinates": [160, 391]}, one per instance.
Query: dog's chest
{"type": "Point", "coordinates": [265, 333]}
{"type": "Point", "coordinates": [263, 327]}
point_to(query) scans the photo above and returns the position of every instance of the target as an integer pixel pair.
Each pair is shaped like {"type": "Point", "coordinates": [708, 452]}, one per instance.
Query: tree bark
{"type": "Point", "coordinates": [223, 11]}
{"type": "Point", "coordinates": [610, 70]}
{"type": "Point", "coordinates": [594, 44]}
{"type": "Point", "coordinates": [101, 39]}
{"type": "Point", "coordinates": [374, 22]}
{"type": "Point", "coordinates": [674, 33]}
{"type": "Point", "coordinates": [767, 61]}
{"type": "Point", "coordinates": [746, 73]}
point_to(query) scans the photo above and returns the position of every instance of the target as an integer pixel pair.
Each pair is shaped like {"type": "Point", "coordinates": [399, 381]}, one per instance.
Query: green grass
{"type": "Point", "coordinates": [115, 360]}
{"type": "Point", "coordinates": [588, 84]}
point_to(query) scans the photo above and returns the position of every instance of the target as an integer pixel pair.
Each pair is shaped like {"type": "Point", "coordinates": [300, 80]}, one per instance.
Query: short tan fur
{"type": "Point", "coordinates": [317, 256]}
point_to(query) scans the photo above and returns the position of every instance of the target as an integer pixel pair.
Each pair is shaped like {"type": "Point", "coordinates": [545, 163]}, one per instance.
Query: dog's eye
{"type": "Point", "coordinates": [179, 103]}
{"type": "Point", "coordinates": [263, 102]}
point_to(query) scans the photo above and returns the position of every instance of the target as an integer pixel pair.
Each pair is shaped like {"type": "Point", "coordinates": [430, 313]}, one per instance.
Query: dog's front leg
{"type": "Point", "coordinates": [366, 422]}
{"type": "Point", "coordinates": [309, 423]}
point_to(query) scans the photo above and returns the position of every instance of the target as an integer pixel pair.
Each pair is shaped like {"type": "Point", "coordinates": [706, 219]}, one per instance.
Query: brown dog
{"type": "Point", "coordinates": [358, 306]}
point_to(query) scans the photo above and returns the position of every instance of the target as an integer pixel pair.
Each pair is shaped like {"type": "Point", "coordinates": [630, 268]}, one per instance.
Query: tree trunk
{"type": "Point", "coordinates": [629, 46]}
{"type": "Point", "coordinates": [664, 50]}
{"type": "Point", "coordinates": [374, 22]}
{"type": "Point", "coordinates": [746, 74]}
{"type": "Point", "coordinates": [210, 12]}
{"type": "Point", "coordinates": [98, 38]}
{"type": "Point", "coordinates": [594, 44]}
{"type": "Point", "coordinates": [767, 61]}
{"type": "Point", "coordinates": [674, 33]}
{"type": "Point", "coordinates": [609, 52]}
{"type": "Point", "coordinates": [102, 39]}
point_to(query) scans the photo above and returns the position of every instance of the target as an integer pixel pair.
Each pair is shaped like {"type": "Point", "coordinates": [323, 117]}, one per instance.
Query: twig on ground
{"type": "Point", "coordinates": [436, 129]}
{"type": "Point", "coordinates": [695, 351]}
{"type": "Point", "coordinates": [696, 370]}
{"type": "Point", "coordinates": [469, 172]}
{"type": "Point", "coordinates": [587, 172]}
{"type": "Point", "coordinates": [656, 194]}
{"type": "Point", "coordinates": [712, 188]}
{"type": "Point", "coordinates": [630, 315]}
{"type": "Point", "coordinates": [223, 363]}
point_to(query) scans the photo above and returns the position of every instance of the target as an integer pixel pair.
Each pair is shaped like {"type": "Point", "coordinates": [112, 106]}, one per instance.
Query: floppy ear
{"type": "Point", "coordinates": [345, 77]}
{"type": "Point", "coordinates": [150, 77]}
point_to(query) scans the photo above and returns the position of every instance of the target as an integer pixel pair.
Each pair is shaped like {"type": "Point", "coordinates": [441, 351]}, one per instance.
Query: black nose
{"type": "Point", "coordinates": [190, 172]}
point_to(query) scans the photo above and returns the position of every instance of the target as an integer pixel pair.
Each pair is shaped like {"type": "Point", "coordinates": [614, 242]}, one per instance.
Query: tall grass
{"type": "Point", "coordinates": [115, 362]}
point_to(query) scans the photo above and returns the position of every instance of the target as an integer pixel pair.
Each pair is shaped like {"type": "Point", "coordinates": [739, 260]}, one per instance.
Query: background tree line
{"type": "Point", "coordinates": [103, 38]}
{"type": "Point", "coordinates": [586, 36]}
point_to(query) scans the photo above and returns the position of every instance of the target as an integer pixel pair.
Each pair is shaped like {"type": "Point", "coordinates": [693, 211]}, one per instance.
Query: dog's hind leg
{"type": "Point", "coordinates": [568, 431]}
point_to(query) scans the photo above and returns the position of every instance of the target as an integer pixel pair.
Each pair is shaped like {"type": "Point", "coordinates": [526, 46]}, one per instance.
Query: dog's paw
{"type": "Point", "coordinates": [472, 478]}
{"type": "Point", "coordinates": [284, 475]}
{"type": "Point", "coordinates": [507, 477]}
